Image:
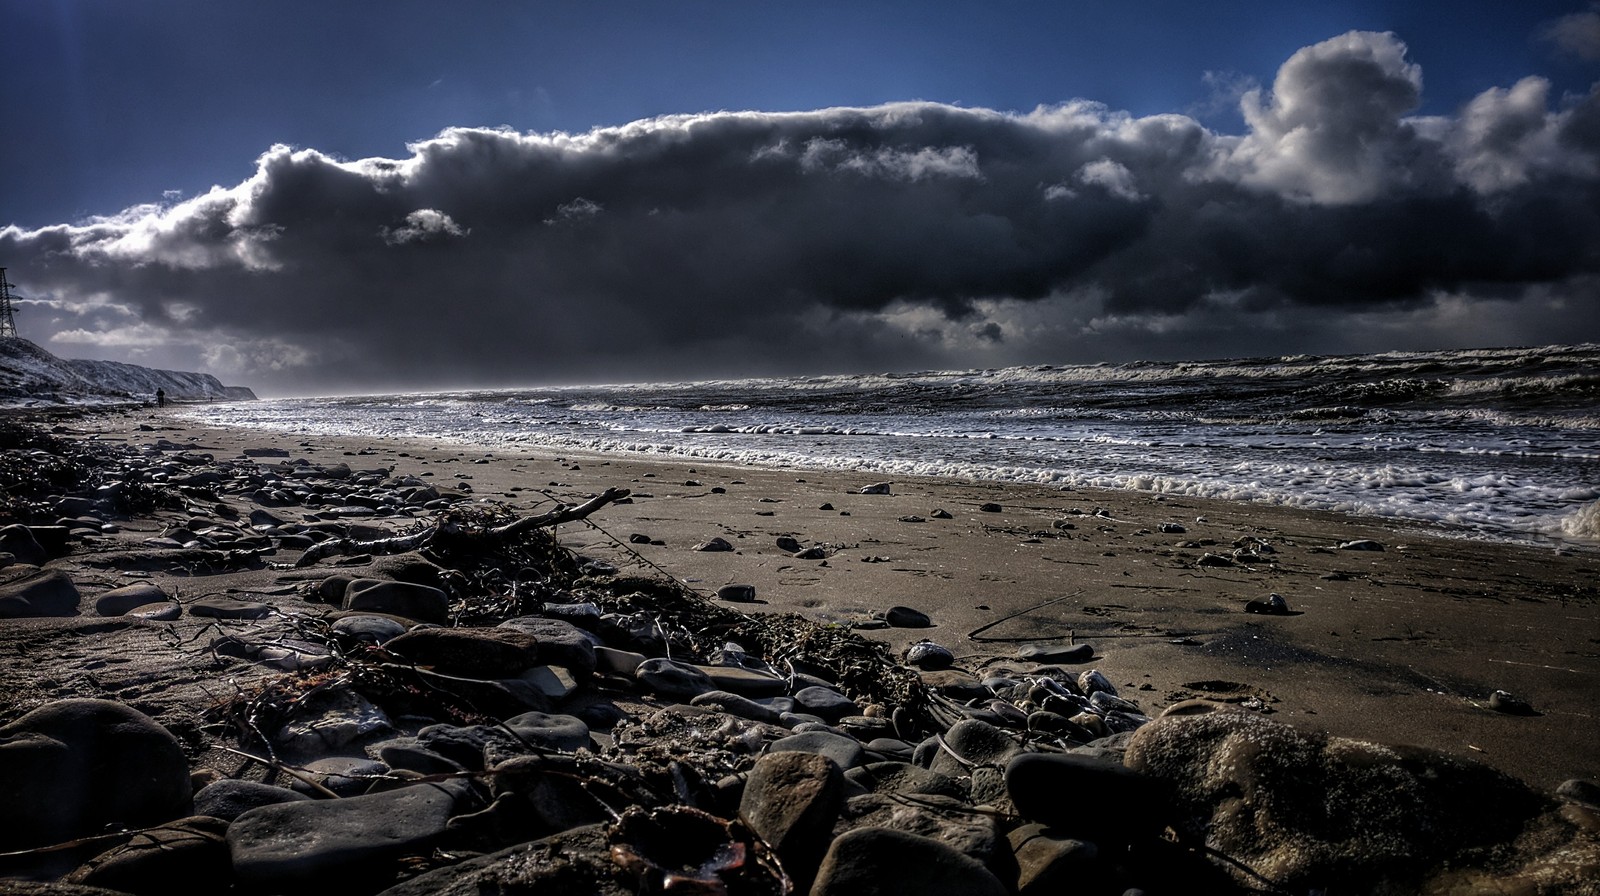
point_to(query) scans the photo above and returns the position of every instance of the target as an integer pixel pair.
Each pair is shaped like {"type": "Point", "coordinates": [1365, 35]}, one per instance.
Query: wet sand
{"type": "Point", "coordinates": [1400, 645]}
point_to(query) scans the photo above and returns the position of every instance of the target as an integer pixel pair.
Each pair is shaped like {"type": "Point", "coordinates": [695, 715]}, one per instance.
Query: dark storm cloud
{"type": "Point", "coordinates": [912, 233]}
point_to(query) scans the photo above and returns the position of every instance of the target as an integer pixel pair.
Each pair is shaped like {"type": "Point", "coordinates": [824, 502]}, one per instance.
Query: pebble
{"type": "Point", "coordinates": [790, 800]}
{"type": "Point", "coordinates": [845, 752]}
{"type": "Point", "coordinates": [906, 617]}
{"type": "Point", "coordinates": [715, 545]}
{"type": "Point", "coordinates": [740, 594]}
{"type": "Point", "coordinates": [1272, 605]}
{"type": "Point", "coordinates": [119, 601]}
{"type": "Point", "coordinates": [930, 656]}
{"type": "Point", "coordinates": [1500, 701]}
{"type": "Point", "coordinates": [1361, 544]}
{"type": "Point", "coordinates": [1055, 653]}
{"type": "Point", "coordinates": [874, 860]}
{"type": "Point", "coordinates": [825, 702]}
{"type": "Point", "coordinates": [669, 678]}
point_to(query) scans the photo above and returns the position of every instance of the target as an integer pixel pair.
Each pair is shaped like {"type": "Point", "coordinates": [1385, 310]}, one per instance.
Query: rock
{"type": "Point", "coordinates": [745, 682]}
{"type": "Point", "coordinates": [906, 617]}
{"type": "Point", "coordinates": [18, 541]}
{"type": "Point", "coordinates": [738, 594]}
{"type": "Point", "coordinates": [153, 861]}
{"type": "Point", "coordinates": [1056, 653]}
{"type": "Point", "coordinates": [550, 731]}
{"type": "Point", "coordinates": [905, 779]}
{"type": "Point", "coordinates": [1302, 807]}
{"type": "Point", "coordinates": [789, 544]}
{"type": "Point", "coordinates": [948, 820]}
{"type": "Point", "coordinates": [329, 719]}
{"type": "Point", "coordinates": [484, 654]}
{"type": "Point", "coordinates": [1500, 701]}
{"type": "Point", "coordinates": [70, 768]}
{"type": "Point", "coordinates": [559, 642]}
{"type": "Point", "coordinates": [369, 628]}
{"type": "Point", "coordinates": [1579, 790]}
{"type": "Point", "coordinates": [715, 545]}
{"type": "Point", "coordinates": [229, 798]}
{"type": "Point", "coordinates": [791, 801]}
{"type": "Point", "coordinates": [555, 682]}
{"type": "Point", "coordinates": [1092, 680]}
{"type": "Point", "coordinates": [1050, 863]}
{"type": "Point", "coordinates": [411, 756]}
{"type": "Point", "coordinates": [880, 862]}
{"type": "Point", "coordinates": [318, 843]}
{"type": "Point", "coordinates": [617, 662]}
{"type": "Point", "coordinates": [985, 750]}
{"type": "Point", "coordinates": [1271, 605]}
{"type": "Point", "coordinates": [940, 513]}
{"type": "Point", "coordinates": [1086, 797]}
{"type": "Point", "coordinates": [743, 707]}
{"type": "Point", "coordinates": [500, 698]}
{"type": "Point", "coordinates": [990, 507]}
{"type": "Point", "coordinates": [845, 752]}
{"type": "Point", "coordinates": [879, 488]}
{"type": "Point", "coordinates": [824, 702]}
{"type": "Point", "coordinates": [815, 552]}
{"type": "Point", "coordinates": [1361, 544]}
{"type": "Point", "coordinates": [669, 678]}
{"type": "Point", "coordinates": [572, 862]}
{"type": "Point", "coordinates": [164, 612]}
{"type": "Point", "coordinates": [39, 593]}
{"type": "Point", "coordinates": [119, 601]}
{"type": "Point", "coordinates": [218, 607]}
{"type": "Point", "coordinates": [420, 602]}
{"type": "Point", "coordinates": [930, 656]}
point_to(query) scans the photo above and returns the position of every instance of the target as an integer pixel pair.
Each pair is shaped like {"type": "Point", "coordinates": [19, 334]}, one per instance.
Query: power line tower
{"type": "Point", "coordinates": [8, 324]}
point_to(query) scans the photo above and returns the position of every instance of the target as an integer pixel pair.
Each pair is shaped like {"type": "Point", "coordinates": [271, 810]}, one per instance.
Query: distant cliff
{"type": "Point", "coordinates": [28, 373]}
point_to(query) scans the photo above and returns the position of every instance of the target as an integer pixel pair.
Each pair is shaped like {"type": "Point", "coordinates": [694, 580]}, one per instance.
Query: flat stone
{"type": "Point", "coordinates": [70, 768]}
{"type": "Point", "coordinates": [550, 731]}
{"type": "Point", "coordinates": [879, 861]}
{"type": "Point", "coordinates": [217, 607]}
{"type": "Point", "coordinates": [669, 678]}
{"type": "Point", "coordinates": [1056, 653]}
{"type": "Point", "coordinates": [743, 707]}
{"type": "Point", "coordinates": [468, 652]}
{"type": "Point", "coordinates": [319, 842]}
{"type": "Point", "coordinates": [229, 798]}
{"type": "Point", "coordinates": [191, 850]}
{"type": "Point", "coordinates": [745, 682]}
{"type": "Point", "coordinates": [39, 593]}
{"type": "Point", "coordinates": [846, 752]}
{"type": "Point", "coordinates": [947, 819]}
{"type": "Point", "coordinates": [825, 702]}
{"type": "Point", "coordinates": [420, 602]}
{"type": "Point", "coordinates": [162, 612]}
{"type": "Point", "coordinates": [558, 642]}
{"type": "Point", "coordinates": [369, 628]}
{"type": "Point", "coordinates": [906, 617]}
{"type": "Point", "coordinates": [905, 779]}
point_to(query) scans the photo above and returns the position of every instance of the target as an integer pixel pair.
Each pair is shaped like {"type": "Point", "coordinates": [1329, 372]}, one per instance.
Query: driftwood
{"type": "Point", "coordinates": [449, 530]}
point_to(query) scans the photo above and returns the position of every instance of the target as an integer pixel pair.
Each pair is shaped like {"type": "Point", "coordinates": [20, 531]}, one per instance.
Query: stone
{"type": "Point", "coordinates": [152, 861]}
{"type": "Point", "coordinates": [229, 798]}
{"type": "Point", "coordinates": [343, 775]}
{"type": "Point", "coordinates": [670, 678]}
{"type": "Point", "coordinates": [906, 617]}
{"type": "Point", "coordinates": [1091, 681]}
{"type": "Point", "coordinates": [990, 507]}
{"type": "Point", "coordinates": [70, 768]}
{"type": "Point", "coordinates": [738, 594]}
{"type": "Point", "coordinates": [929, 656]}
{"type": "Point", "coordinates": [39, 593]}
{"type": "Point", "coordinates": [480, 653]}
{"type": "Point", "coordinates": [218, 607]}
{"type": "Point", "coordinates": [320, 843]}
{"type": "Point", "coordinates": [955, 684]}
{"type": "Point", "coordinates": [118, 601]}
{"type": "Point", "coordinates": [1271, 605]}
{"type": "Point", "coordinates": [329, 719]}
{"type": "Point", "coordinates": [743, 707]}
{"type": "Point", "coordinates": [946, 819]}
{"type": "Point", "coordinates": [1361, 544]}
{"type": "Point", "coordinates": [18, 541]}
{"type": "Point", "coordinates": [1056, 653]}
{"type": "Point", "coordinates": [558, 642]}
{"type": "Point", "coordinates": [791, 801]}
{"type": "Point", "coordinates": [1298, 806]}
{"type": "Point", "coordinates": [550, 731]}
{"type": "Point", "coordinates": [978, 743]}
{"type": "Point", "coordinates": [789, 544]}
{"type": "Point", "coordinates": [401, 755]}
{"type": "Point", "coordinates": [1049, 863]}
{"type": "Point", "coordinates": [163, 612]}
{"type": "Point", "coordinates": [824, 702]}
{"type": "Point", "coordinates": [499, 698]}
{"type": "Point", "coordinates": [905, 779]}
{"type": "Point", "coordinates": [1580, 790]}
{"type": "Point", "coordinates": [1084, 796]}
{"type": "Point", "coordinates": [878, 488]}
{"type": "Point", "coordinates": [369, 628]}
{"type": "Point", "coordinates": [420, 602]}
{"type": "Point", "coordinates": [745, 682]}
{"type": "Point", "coordinates": [845, 752]}
{"type": "Point", "coordinates": [617, 662]}
{"type": "Point", "coordinates": [1511, 705]}
{"type": "Point", "coordinates": [884, 862]}
{"type": "Point", "coordinates": [717, 544]}
{"type": "Point", "coordinates": [555, 682]}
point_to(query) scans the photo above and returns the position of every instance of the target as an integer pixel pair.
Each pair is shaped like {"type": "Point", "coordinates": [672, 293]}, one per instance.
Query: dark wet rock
{"type": "Point", "coordinates": [791, 801]}
{"type": "Point", "coordinates": [119, 601]}
{"type": "Point", "coordinates": [38, 593]}
{"type": "Point", "coordinates": [905, 779]}
{"type": "Point", "coordinates": [1271, 605]}
{"type": "Point", "coordinates": [72, 767]}
{"type": "Point", "coordinates": [1056, 653]}
{"type": "Point", "coordinates": [670, 678]}
{"type": "Point", "coordinates": [1047, 722]}
{"type": "Point", "coordinates": [612, 661]}
{"type": "Point", "coordinates": [948, 820]}
{"type": "Point", "coordinates": [19, 542]}
{"type": "Point", "coordinates": [319, 843]}
{"type": "Point", "coordinates": [1215, 560]}
{"type": "Point", "coordinates": [716, 544]}
{"type": "Point", "coordinates": [369, 628]}
{"type": "Point", "coordinates": [218, 607]}
{"type": "Point", "coordinates": [1092, 681]}
{"type": "Point", "coordinates": [880, 862]}
{"type": "Point", "coordinates": [1259, 790]}
{"type": "Point", "coordinates": [845, 752]}
{"type": "Point", "coordinates": [154, 861]}
{"type": "Point", "coordinates": [329, 719]}
{"type": "Point", "coordinates": [229, 798]}
{"type": "Point", "coordinates": [423, 603]}
{"type": "Point", "coordinates": [789, 544]}
{"type": "Point", "coordinates": [825, 702]}
{"type": "Point", "coordinates": [1511, 705]}
{"type": "Point", "coordinates": [572, 862]}
{"type": "Point", "coordinates": [1084, 796]}
{"type": "Point", "coordinates": [977, 743]}
{"type": "Point", "coordinates": [930, 656]}
{"type": "Point", "coordinates": [906, 617]}
{"type": "Point", "coordinates": [1050, 863]}
{"type": "Point", "coordinates": [940, 514]}
{"type": "Point", "coordinates": [891, 749]}
{"type": "Point", "coordinates": [955, 684]}
{"type": "Point", "coordinates": [550, 731]}
{"type": "Point", "coordinates": [401, 755]}
{"type": "Point", "coordinates": [343, 775]}
{"type": "Point", "coordinates": [737, 594]}
{"type": "Point", "coordinates": [559, 642]}
{"type": "Point", "coordinates": [990, 507]}
{"type": "Point", "coordinates": [815, 552]}
{"type": "Point", "coordinates": [468, 653]}
{"type": "Point", "coordinates": [751, 683]}
{"type": "Point", "coordinates": [1579, 790]}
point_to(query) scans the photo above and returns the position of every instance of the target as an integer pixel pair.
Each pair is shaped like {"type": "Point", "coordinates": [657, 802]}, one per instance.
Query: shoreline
{"type": "Point", "coordinates": [1400, 645]}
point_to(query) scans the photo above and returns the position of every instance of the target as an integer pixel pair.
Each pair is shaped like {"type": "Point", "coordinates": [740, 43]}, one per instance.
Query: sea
{"type": "Point", "coordinates": [1500, 444]}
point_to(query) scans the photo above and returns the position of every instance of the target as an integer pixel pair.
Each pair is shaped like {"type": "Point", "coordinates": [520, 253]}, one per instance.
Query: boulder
{"type": "Point", "coordinates": [791, 801]}
{"type": "Point", "coordinates": [39, 593]}
{"type": "Point", "coordinates": [119, 601]}
{"type": "Point", "coordinates": [880, 862]}
{"type": "Point", "coordinates": [420, 602]}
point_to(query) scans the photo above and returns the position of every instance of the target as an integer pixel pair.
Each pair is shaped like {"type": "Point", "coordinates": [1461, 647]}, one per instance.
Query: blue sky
{"type": "Point", "coordinates": [127, 115]}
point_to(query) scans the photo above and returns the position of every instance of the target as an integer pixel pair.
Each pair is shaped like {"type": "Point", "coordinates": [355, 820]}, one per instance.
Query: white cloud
{"type": "Point", "coordinates": [1577, 34]}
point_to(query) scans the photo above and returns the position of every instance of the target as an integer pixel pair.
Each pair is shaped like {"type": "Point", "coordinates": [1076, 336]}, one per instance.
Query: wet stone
{"type": "Point", "coordinates": [946, 819]}
{"type": "Point", "coordinates": [229, 798]}
{"type": "Point", "coordinates": [739, 594]}
{"type": "Point", "coordinates": [845, 751]}
{"type": "Point", "coordinates": [119, 601]}
{"type": "Point", "coordinates": [420, 602]}
{"type": "Point", "coordinates": [734, 704]}
{"type": "Point", "coordinates": [217, 607]}
{"type": "Point", "coordinates": [906, 617]}
{"type": "Point", "coordinates": [880, 861]}
{"type": "Point", "coordinates": [670, 678]}
{"type": "Point", "coordinates": [791, 800]}
{"type": "Point", "coordinates": [1056, 653]}
{"type": "Point", "coordinates": [39, 593]}
{"type": "Point", "coordinates": [825, 702]}
{"type": "Point", "coordinates": [550, 731]}
{"type": "Point", "coordinates": [930, 656]}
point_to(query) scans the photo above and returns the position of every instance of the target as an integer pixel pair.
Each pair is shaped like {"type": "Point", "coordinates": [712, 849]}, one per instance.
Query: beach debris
{"type": "Point", "coordinates": [878, 488]}
{"type": "Point", "coordinates": [789, 543]}
{"type": "Point", "coordinates": [1361, 544]}
{"type": "Point", "coordinates": [939, 513]}
{"type": "Point", "coordinates": [716, 544]}
{"type": "Point", "coordinates": [815, 552]}
{"type": "Point", "coordinates": [1055, 653]}
{"type": "Point", "coordinates": [1272, 605]}
{"type": "Point", "coordinates": [990, 507]}
{"type": "Point", "coordinates": [1501, 701]}
{"type": "Point", "coordinates": [742, 594]}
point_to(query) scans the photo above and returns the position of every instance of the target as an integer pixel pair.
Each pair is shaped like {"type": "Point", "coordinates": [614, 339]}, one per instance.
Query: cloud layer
{"type": "Point", "coordinates": [906, 235]}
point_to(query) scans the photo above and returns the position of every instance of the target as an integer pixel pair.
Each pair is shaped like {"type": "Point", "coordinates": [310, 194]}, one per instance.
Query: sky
{"type": "Point", "coordinates": [313, 198]}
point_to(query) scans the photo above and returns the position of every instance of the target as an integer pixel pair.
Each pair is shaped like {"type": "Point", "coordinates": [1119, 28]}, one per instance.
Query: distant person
{"type": "Point", "coordinates": [161, 398]}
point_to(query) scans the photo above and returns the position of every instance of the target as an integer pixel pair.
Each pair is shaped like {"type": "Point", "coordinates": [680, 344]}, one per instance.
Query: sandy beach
{"type": "Point", "coordinates": [1401, 645]}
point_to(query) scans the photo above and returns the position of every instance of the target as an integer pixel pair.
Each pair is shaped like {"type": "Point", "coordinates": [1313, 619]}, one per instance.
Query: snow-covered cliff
{"type": "Point", "coordinates": [29, 374]}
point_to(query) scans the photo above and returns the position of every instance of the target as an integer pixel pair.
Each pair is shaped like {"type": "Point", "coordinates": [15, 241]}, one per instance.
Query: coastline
{"type": "Point", "coordinates": [1402, 645]}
